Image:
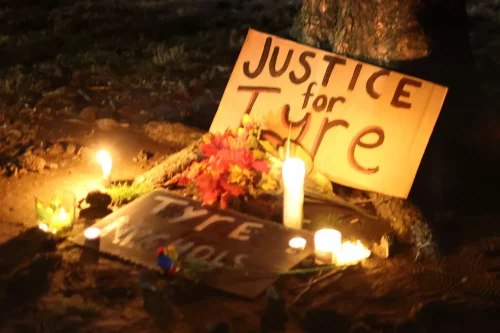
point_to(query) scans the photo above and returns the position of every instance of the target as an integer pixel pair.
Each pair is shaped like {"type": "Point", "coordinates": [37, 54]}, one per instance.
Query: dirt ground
{"type": "Point", "coordinates": [76, 76]}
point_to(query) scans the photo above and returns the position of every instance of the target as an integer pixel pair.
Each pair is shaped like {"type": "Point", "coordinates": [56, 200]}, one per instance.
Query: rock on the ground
{"type": "Point", "coordinates": [97, 199]}
{"type": "Point", "coordinates": [88, 113]}
{"type": "Point", "coordinates": [55, 149]}
{"type": "Point", "coordinates": [32, 162]}
{"type": "Point", "coordinates": [87, 154]}
{"type": "Point", "coordinates": [70, 149]}
{"type": "Point", "coordinates": [109, 124]}
{"type": "Point", "coordinates": [38, 151]}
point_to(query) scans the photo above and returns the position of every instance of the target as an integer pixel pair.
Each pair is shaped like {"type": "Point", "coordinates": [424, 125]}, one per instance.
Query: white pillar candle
{"type": "Point", "coordinates": [293, 171]}
{"type": "Point", "coordinates": [327, 246]}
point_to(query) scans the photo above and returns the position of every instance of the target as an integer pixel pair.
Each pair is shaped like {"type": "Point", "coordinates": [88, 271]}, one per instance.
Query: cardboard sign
{"type": "Point", "coordinates": [365, 127]}
{"type": "Point", "coordinates": [258, 249]}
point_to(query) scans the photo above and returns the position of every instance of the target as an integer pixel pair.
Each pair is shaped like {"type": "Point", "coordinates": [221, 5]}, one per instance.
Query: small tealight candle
{"type": "Point", "coordinates": [298, 244]}
{"type": "Point", "coordinates": [327, 244]}
{"type": "Point", "coordinates": [55, 213]}
{"type": "Point", "coordinates": [92, 238]}
{"type": "Point", "coordinates": [61, 220]}
{"type": "Point", "coordinates": [92, 233]}
{"type": "Point", "coordinates": [293, 172]}
{"type": "Point", "coordinates": [90, 253]}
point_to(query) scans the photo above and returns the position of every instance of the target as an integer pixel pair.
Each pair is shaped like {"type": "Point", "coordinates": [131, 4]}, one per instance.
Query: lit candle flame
{"type": "Point", "coordinates": [104, 160]}
{"type": "Point", "coordinates": [62, 214]}
{"type": "Point", "coordinates": [351, 253]}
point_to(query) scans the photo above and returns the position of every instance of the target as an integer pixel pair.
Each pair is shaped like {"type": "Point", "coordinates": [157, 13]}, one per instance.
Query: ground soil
{"type": "Point", "coordinates": [95, 74]}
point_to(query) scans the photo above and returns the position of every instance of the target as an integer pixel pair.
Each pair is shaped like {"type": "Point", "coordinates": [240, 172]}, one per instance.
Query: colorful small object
{"type": "Point", "coordinates": [167, 257]}
{"type": "Point", "coordinates": [172, 252]}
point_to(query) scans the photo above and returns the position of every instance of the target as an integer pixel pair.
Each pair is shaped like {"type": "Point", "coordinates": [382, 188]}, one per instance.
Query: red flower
{"type": "Point", "coordinates": [208, 188]}
{"type": "Point", "coordinates": [160, 250]}
{"type": "Point", "coordinates": [214, 176]}
{"type": "Point", "coordinates": [260, 166]}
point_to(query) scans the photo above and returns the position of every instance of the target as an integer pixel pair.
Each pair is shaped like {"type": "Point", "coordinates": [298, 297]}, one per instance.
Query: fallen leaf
{"type": "Point", "coordinates": [318, 182]}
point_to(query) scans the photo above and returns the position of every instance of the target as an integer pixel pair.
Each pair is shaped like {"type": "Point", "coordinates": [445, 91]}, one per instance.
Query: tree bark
{"type": "Point", "coordinates": [423, 38]}
{"type": "Point", "coordinates": [371, 30]}
{"type": "Point", "coordinates": [172, 165]}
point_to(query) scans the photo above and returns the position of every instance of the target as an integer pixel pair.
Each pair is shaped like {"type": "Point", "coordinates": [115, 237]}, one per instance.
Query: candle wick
{"type": "Point", "coordinates": [288, 145]}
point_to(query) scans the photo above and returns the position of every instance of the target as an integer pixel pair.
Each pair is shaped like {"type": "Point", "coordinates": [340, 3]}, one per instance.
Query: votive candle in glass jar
{"type": "Point", "coordinates": [55, 212]}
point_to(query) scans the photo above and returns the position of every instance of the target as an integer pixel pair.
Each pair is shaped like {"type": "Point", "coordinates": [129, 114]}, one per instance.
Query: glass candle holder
{"type": "Point", "coordinates": [327, 245]}
{"type": "Point", "coordinates": [55, 212]}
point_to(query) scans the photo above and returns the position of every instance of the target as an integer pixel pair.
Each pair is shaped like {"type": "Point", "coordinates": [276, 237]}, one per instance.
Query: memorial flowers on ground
{"type": "Point", "coordinates": [234, 165]}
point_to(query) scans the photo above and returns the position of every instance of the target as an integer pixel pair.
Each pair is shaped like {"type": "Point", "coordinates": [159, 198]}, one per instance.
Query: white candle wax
{"type": "Point", "coordinates": [297, 243]}
{"type": "Point", "coordinates": [327, 246]}
{"type": "Point", "coordinates": [293, 171]}
{"type": "Point", "coordinates": [92, 233]}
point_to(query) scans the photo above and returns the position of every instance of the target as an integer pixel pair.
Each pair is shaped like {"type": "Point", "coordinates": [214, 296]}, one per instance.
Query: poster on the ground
{"type": "Point", "coordinates": [247, 252]}
{"type": "Point", "coordinates": [364, 126]}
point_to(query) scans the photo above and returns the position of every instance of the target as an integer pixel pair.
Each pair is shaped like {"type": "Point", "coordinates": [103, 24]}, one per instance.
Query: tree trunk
{"type": "Point", "coordinates": [371, 30]}
{"type": "Point", "coordinates": [423, 38]}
